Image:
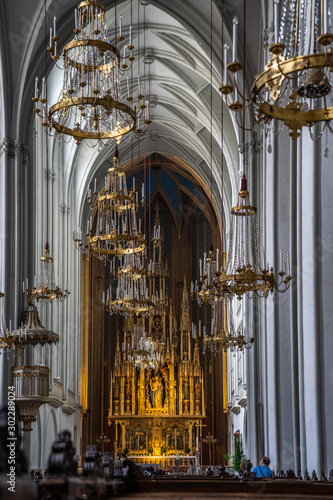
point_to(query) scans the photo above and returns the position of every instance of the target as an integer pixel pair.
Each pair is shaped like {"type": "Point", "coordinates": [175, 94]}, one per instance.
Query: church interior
{"type": "Point", "coordinates": [165, 239]}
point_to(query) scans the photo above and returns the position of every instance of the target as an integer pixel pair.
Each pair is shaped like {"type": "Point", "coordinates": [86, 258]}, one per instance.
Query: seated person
{"type": "Point", "coordinates": [130, 470]}
{"type": "Point", "coordinates": [263, 470]}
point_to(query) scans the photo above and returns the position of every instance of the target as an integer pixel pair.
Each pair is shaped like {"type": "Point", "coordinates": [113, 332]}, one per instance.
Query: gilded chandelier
{"type": "Point", "coordinates": [223, 335]}
{"type": "Point", "coordinates": [204, 291]}
{"type": "Point", "coordinates": [296, 84]}
{"type": "Point", "coordinates": [246, 272]}
{"type": "Point", "coordinates": [114, 231]}
{"type": "Point", "coordinates": [129, 292]}
{"type": "Point", "coordinates": [7, 340]}
{"type": "Point", "coordinates": [45, 288]}
{"type": "Point", "coordinates": [91, 105]}
{"type": "Point", "coordinates": [143, 352]}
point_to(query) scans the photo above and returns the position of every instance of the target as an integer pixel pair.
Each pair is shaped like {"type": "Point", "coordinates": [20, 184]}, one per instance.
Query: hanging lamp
{"type": "Point", "coordinates": [222, 335]}
{"type": "Point", "coordinates": [296, 85]}
{"type": "Point", "coordinates": [246, 271]}
{"type": "Point", "coordinates": [114, 231]}
{"type": "Point", "coordinates": [91, 105]}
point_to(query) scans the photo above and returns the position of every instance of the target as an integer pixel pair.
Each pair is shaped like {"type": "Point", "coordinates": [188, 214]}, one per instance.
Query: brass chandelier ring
{"type": "Point", "coordinates": [289, 66]}
{"type": "Point", "coordinates": [108, 103]}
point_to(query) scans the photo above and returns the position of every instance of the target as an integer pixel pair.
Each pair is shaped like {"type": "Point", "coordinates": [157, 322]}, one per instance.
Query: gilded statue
{"type": "Point", "coordinates": [156, 391]}
{"type": "Point", "coordinates": [197, 389]}
{"type": "Point", "coordinates": [128, 391]}
{"type": "Point", "coordinates": [116, 391]}
{"type": "Point", "coordinates": [186, 389]}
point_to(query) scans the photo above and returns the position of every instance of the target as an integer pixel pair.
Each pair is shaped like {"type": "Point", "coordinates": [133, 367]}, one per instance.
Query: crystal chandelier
{"type": "Point", "coordinates": [204, 291]}
{"type": "Point", "coordinates": [245, 273]}
{"type": "Point", "coordinates": [45, 288]}
{"type": "Point", "coordinates": [223, 335]}
{"type": "Point", "coordinates": [7, 340]}
{"type": "Point", "coordinates": [129, 295]}
{"type": "Point", "coordinates": [115, 231]}
{"type": "Point", "coordinates": [143, 351]}
{"type": "Point", "coordinates": [91, 105]}
{"type": "Point", "coordinates": [296, 84]}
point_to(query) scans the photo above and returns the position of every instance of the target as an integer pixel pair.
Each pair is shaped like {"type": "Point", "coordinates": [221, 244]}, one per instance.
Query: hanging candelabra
{"type": "Point", "coordinates": [296, 84]}
{"type": "Point", "coordinates": [203, 291]}
{"type": "Point", "coordinates": [91, 105]}
{"type": "Point", "coordinates": [44, 289]}
{"type": "Point", "coordinates": [129, 291]}
{"type": "Point", "coordinates": [246, 272]}
{"type": "Point", "coordinates": [114, 231]}
{"type": "Point", "coordinates": [7, 340]}
{"type": "Point", "coordinates": [222, 335]}
{"type": "Point", "coordinates": [129, 296]}
{"type": "Point", "coordinates": [143, 351]}
{"type": "Point", "coordinates": [211, 271]}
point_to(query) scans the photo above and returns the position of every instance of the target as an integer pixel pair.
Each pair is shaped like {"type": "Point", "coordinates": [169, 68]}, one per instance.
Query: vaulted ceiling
{"type": "Point", "coordinates": [175, 37]}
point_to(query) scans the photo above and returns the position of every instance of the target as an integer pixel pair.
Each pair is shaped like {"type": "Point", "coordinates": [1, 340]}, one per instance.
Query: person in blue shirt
{"type": "Point", "coordinates": [263, 470]}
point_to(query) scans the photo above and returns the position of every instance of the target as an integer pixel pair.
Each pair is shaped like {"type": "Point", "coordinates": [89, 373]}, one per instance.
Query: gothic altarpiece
{"type": "Point", "coordinates": [159, 411]}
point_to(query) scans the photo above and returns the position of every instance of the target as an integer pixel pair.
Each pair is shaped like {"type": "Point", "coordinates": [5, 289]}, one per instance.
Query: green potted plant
{"type": "Point", "coordinates": [238, 455]}
{"type": "Point", "coordinates": [227, 458]}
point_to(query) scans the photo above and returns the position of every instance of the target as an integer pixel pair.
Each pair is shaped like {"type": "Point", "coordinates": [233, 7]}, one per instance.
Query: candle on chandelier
{"type": "Point", "coordinates": [276, 21]}
{"type": "Point", "coordinates": [236, 90]}
{"type": "Point", "coordinates": [54, 26]}
{"type": "Point", "coordinates": [325, 16]}
{"type": "Point", "coordinates": [120, 24]}
{"type": "Point", "coordinates": [43, 87]}
{"type": "Point", "coordinates": [234, 37]}
{"type": "Point", "coordinates": [75, 17]}
{"type": "Point", "coordinates": [139, 87]}
{"type": "Point", "coordinates": [130, 36]}
{"type": "Point", "coordinates": [51, 34]}
{"type": "Point", "coordinates": [226, 48]}
{"type": "Point", "coordinates": [124, 57]}
{"type": "Point", "coordinates": [128, 88]}
{"type": "Point", "coordinates": [263, 256]}
{"type": "Point", "coordinates": [288, 265]}
{"type": "Point", "coordinates": [36, 86]}
{"type": "Point", "coordinates": [281, 259]}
